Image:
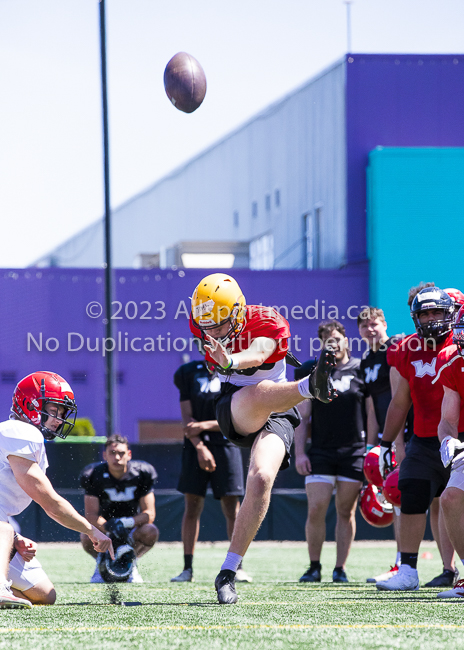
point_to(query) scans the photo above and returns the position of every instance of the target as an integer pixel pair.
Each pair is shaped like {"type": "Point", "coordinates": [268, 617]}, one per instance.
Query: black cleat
{"type": "Point", "coordinates": [320, 381]}
{"type": "Point", "coordinates": [339, 575]}
{"type": "Point", "coordinates": [225, 587]}
{"type": "Point", "coordinates": [446, 579]}
{"type": "Point", "coordinates": [311, 575]}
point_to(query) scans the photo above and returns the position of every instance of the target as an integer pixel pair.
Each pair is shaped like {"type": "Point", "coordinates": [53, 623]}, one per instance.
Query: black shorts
{"type": "Point", "coordinates": [341, 461]}
{"type": "Point", "coordinates": [423, 462]}
{"type": "Point", "coordinates": [282, 424]}
{"type": "Point", "coordinates": [226, 480]}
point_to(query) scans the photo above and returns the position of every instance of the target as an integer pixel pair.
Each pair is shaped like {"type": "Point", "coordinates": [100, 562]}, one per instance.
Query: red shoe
{"type": "Point", "coordinates": [385, 576]}
{"type": "Point", "coordinates": [9, 601]}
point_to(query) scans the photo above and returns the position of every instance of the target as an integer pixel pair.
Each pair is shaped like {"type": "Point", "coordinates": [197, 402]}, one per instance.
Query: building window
{"type": "Point", "coordinates": [9, 377]}
{"type": "Point", "coordinates": [78, 377]}
{"type": "Point", "coordinates": [311, 225]}
{"type": "Point", "coordinates": [268, 202]}
{"type": "Point", "coordinates": [277, 198]}
{"type": "Point", "coordinates": [262, 253]}
{"type": "Point", "coordinates": [254, 209]}
{"type": "Point", "coordinates": [236, 219]}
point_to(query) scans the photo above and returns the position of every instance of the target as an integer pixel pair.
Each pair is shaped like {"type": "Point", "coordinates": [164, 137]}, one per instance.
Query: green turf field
{"type": "Point", "coordinates": [274, 612]}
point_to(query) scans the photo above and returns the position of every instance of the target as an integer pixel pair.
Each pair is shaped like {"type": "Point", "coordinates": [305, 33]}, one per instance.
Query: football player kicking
{"type": "Point", "coordinates": [247, 345]}
{"type": "Point", "coordinates": [422, 475]}
{"type": "Point", "coordinates": [43, 407]}
{"type": "Point", "coordinates": [119, 500]}
{"type": "Point", "coordinates": [450, 375]}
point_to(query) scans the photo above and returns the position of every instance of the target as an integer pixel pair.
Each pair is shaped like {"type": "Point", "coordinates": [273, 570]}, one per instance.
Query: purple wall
{"type": "Point", "coordinates": [53, 302]}
{"type": "Point", "coordinates": [397, 101]}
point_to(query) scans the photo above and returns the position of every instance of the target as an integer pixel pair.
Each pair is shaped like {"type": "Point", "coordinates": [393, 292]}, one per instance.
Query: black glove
{"type": "Point", "coordinates": [320, 381]}
{"type": "Point", "coordinates": [116, 529]}
{"type": "Point", "coordinates": [385, 458]}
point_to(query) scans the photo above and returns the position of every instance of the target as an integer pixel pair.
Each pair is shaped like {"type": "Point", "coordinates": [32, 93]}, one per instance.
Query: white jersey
{"type": "Point", "coordinates": [18, 439]}
{"type": "Point", "coordinates": [277, 374]}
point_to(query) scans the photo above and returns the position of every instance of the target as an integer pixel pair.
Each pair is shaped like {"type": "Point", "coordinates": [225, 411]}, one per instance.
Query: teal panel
{"type": "Point", "coordinates": [415, 208]}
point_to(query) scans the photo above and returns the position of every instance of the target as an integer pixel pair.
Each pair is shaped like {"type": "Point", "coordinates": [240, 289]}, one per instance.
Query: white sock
{"type": "Point", "coordinates": [303, 387]}
{"type": "Point", "coordinates": [232, 562]}
{"type": "Point", "coordinates": [398, 559]}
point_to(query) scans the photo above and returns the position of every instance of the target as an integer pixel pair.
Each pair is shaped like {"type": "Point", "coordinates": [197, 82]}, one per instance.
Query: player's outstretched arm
{"type": "Point", "coordinates": [255, 355]}
{"type": "Point", "coordinates": [34, 482]}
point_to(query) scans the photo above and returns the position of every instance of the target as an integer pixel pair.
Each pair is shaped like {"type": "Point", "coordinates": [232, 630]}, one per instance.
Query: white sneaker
{"type": "Point", "coordinates": [385, 576]}
{"type": "Point", "coordinates": [9, 601]}
{"type": "Point", "coordinates": [96, 576]}
{"type": "Point", "coordinates": [242, 576]}
{"type": "Point", "coordinates": [135, 575]}
{"type": "Point", "coordinates": [185, 576]}
{"type": "Point", "coordinates": [406, 579]}
{"type": "Point", "coordinates": [456, 592]}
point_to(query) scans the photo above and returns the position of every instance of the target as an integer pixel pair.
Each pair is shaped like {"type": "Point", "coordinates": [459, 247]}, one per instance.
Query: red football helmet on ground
{"type": "Point", "coordinates": [374, 509]}
{"type": "Point", "coordinates": [34, 392]}
{"type": "Point", "coordinates": [390, 488]}
{"type": "Point", "coordinates": [371, 466]}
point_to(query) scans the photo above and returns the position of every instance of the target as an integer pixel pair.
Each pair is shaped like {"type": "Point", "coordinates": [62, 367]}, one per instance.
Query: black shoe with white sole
{"type": "Point", "coordinates": [225, 587]}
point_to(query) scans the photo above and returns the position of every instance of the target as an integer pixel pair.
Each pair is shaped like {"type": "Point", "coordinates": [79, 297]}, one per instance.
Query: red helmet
{"type": "Point", "coordinates": [38, 389]}
{"type": "Point", "coordinates": [390, 488]}
{"type": "Point", "coordinates": [375, 510]}
{"type": "Point", "coordinates": [457, 296]}
{"type": "Point", "coordinates": [371, 466]}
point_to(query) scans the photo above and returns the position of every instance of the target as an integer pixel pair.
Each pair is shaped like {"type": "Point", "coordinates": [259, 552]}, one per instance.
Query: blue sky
{"type": "Point", "coordinates": [253, 53]}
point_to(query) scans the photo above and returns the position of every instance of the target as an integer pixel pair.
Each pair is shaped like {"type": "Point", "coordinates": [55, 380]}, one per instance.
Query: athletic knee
{"type": "Point", "coordinates": [260, 481]}
{"type": "Point", "coordinates": [148, 534]}
{"type": "Point", "coordinates": [316, 511]}
{"type": "Point", "coordinates": [452, 500]}
{"type": "Point", "coordinates": [415, 496]}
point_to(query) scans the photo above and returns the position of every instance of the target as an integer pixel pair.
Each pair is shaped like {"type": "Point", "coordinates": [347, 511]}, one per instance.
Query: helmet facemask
{"type": "Point", "coordinates": [29, 405]}
{"type": "Point", "coordinates": [235, 327]}
{"type": "Point", "coordinates": [433, 298]}
{"type": "Point", "coordinates": [67, 420]}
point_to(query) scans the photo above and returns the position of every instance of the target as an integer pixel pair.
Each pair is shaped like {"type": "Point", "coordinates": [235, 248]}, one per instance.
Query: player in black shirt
{"type": "Point", "coordinates": [120, 491]}
{"type": "Point", "coordinates": [336, 454]}
{"type": "Point", "coordinates": [207, 458]}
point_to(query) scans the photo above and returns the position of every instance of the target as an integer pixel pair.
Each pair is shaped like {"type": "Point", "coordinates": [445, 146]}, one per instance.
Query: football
{"type": "Point", "coordinates": [185, 82]}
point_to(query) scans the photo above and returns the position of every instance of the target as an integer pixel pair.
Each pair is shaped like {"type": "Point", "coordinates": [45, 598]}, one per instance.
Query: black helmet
{"type": "Point", "coordinates": [119, 569]}
{"type": "Point", "coordinates": [433, 298]}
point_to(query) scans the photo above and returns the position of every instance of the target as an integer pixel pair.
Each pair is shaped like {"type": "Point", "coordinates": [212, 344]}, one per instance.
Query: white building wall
{"type": "Point", "coordinates": [295, 147]}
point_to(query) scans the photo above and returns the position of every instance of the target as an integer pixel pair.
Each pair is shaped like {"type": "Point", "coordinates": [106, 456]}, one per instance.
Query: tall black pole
{"type": "Point", "coordinates": [109, 365]}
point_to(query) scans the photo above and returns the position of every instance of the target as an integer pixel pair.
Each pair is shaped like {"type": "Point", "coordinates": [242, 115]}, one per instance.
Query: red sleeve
{"type": "Point", "coordinates": [447, 365]}
{"type": "Point", "coordinates": [397, 357]}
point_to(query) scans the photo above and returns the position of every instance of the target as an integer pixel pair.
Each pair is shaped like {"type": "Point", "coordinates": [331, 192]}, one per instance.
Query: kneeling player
{"type": "Point", "coordinates": [43, 407]}
{"type": "Point", "coordinates": [247, 345]}
{"type": "Point", "coordinates": [119, 500]}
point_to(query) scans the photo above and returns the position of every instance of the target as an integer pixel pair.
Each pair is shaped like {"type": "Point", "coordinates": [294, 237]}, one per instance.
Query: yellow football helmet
{"type": "Point", "coordinates": [217, 300]}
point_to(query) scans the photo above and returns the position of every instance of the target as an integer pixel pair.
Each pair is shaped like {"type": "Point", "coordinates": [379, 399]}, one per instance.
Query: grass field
{"type": "Point", "coordinates": [273, 612]}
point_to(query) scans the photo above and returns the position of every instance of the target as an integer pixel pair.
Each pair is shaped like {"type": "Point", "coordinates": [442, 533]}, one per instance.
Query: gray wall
{"type": "Point", "coordinates": [296, 147]}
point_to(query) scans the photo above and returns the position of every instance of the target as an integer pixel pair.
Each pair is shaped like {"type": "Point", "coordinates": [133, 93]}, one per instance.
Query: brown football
{"type": "Point", "coordinates": [185, 82]}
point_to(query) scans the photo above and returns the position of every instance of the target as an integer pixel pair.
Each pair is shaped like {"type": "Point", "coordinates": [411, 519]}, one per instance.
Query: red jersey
{"type": "Point", "coordinates": [419, 367]}
{"type": "Point", "coordinates": [259, 321]}
{"type": "Point", "coordinates": [450, 372]}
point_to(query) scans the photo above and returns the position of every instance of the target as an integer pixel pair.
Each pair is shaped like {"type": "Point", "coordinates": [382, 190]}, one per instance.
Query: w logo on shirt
{"type": "Point", "coordinates": [423, 369]}
{"type": "Point", "coordinates": [343, 384]}
{"type": "Point", "coordinates": [372, 373]}
{"type": "Point", "coordinates": [127, 495]}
